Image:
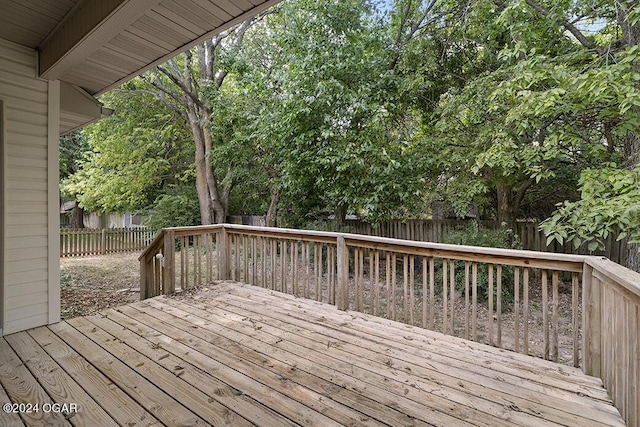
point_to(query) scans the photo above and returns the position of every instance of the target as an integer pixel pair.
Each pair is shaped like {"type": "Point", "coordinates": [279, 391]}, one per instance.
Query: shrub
{"type": "Point", "coordinates": [177, 209]}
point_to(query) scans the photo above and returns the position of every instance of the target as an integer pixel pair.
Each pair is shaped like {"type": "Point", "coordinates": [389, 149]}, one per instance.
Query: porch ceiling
{"type": "Point", "coordinates": [98, 44]}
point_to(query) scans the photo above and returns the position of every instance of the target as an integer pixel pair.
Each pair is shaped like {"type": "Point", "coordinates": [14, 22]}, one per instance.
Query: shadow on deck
{"type": "Point", "coordinates": [233, 354]}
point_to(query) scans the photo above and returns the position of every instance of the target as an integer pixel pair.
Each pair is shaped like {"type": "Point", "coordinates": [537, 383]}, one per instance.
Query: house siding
{"type": "Point", "coordinates": [26, 269]}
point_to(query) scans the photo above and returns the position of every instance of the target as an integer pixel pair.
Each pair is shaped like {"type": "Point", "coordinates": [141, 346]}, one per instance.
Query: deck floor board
{"type": "Point", "coordinates": [233, 354]}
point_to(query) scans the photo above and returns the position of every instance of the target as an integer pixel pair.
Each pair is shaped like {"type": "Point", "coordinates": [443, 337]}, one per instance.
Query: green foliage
{"type": "Point", "coordinates": [178, 208]}
{"type": "Point", "coordinates": [475, 234]}
{"type": "Point", "coordinates": [610, 204]}
{"type": "Point", "coordinates": [73, 148]}
{"type": "Point", "coordinates": [329, 125]}
{"type": "Point", "coordinates": [133, 154]}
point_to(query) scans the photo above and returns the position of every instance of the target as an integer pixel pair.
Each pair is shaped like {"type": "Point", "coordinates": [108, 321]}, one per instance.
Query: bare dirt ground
{"type": "Point", "coordinates": [90, 284]}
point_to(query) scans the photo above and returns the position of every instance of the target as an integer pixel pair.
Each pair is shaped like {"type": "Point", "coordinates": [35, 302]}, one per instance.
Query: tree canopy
{"type": "Point", "coordinates": [528, 109]}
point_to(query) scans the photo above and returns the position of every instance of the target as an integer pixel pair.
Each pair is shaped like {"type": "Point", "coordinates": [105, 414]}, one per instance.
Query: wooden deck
{"type": "Point", "coordinates": [231, 354]}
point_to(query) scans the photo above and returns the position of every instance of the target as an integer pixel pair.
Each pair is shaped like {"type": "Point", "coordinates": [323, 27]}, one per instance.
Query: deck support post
{"type": "Point", "coordinates": [591, 352]}
{"type": "Point", "coordinates": [168, 273]}
{"type": "Point", "coordinates": [342, 262]}
{"type": "Point", "coordinates": [143, 279]}
{"type": "Point", "coordinates": [223, 254]}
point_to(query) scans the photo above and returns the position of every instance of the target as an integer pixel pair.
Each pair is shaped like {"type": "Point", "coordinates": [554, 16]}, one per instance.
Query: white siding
{"type": "Point", "coordinates": [26, 270]}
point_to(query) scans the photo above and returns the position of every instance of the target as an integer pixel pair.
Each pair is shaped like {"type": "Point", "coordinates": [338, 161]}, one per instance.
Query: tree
{"type": "Point", "coordinates": [331, 125]}
{"type": "Point", "coordinates": [614, 203]}
{"type": "Point", "coordinates": [135, 154]}
{"type": "Point", "coordinates": [73, 148]}
{"type": "Point", "coordinates": [544, 101]}
{"type": "Point", "coordinates": [186, 85]}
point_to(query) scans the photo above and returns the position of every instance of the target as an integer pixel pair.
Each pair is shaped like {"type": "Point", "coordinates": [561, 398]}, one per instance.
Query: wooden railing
{"type": "Point", "coordinates": [573, 309]}
{"type": "Point", "coordinates": [88, 241]}
{"type": "Point", "coordinates": [529, 234]}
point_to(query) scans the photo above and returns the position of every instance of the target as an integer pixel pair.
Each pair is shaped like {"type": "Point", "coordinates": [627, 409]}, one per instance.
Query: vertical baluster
{"type": "Point", "coordinates": [330, 274]}
{"type": "Point", "coordinates": [371, 284]}
{"type": "Point", "coordinates": [545, 313]}
{"type": "Point", "coordinates": [274, 260]}
{"type": "Point", "coordinates": [376, 282]}
{"type": "Point", "coordinates": [335, 276]}
{"type": "Point", "coordinates": [525, 310]}
{"type": "Point", "coordinates": [283, 265]}
{"type": "Point", "coordinates": [294, 267]}
{"type": "Point", "coordinates": [305, 260]}
{"type": "Point", "coordinates": [490, 296]}
{"type": "Point", "coordinates": [516, 308]}
{"type": "Point", "coordinates": [405, 288]}
{"type": "Point", "coordinates": [432, 293]}
{"type": "Point", "coordinates": [474, 300]}
{"type": "Point", "coordinates": [499, 303]}
{"type": "Point", "coordinates": [445, 296]}
{"type": "Point", "coordinates": [236, 257]}
{"type": "Point", "coordinates": [208, 256]}
{"type": "Point", "coordinates": [186, 263]}
{"type": "Point", "coordinates": [317, 269]}
{"type": "Point", "coordinates": [393, 285]}
{"type": "Point", "coordinates": [254, 261]}
{"type": "Point", "coordinates": [388, 282]}
{"type": "Point", "coordinates": [264, 257]}
{"type": "Point", "coordinates": [424, 292]}
{"type": "Point", "coordinates": [555, 302]}
{"type": "Point", "coordinates": [182, 262]}
{"type": "Point", "coordinates": [245, 260]}
{"type": "Point", "coordinates": [452, 291]}
{"type": "Point", "coordinates": [575, 310]}
{"type": "Point", "coordinates": [466, 300]}
{"type": "Point", "coordinates": [356, 278]}
{"type": "Point", "coordinates": [199, 252]}
{"type": "Point", "coordinates": [195, 260]}
{"type": "Point", "coordinates": [412, 285]}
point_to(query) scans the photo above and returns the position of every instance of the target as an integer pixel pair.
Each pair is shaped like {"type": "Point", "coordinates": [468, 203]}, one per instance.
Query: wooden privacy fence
{"type": "Point", "coordinates": [531, 237]}
{"type": "Point", "coordinates": [86, 241]}
{"type": "Point", "coordinates": [576, 309]}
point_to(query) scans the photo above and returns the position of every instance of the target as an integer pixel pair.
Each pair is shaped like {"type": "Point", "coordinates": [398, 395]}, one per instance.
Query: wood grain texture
{"type": "Point", "coordinates": [234, 354]}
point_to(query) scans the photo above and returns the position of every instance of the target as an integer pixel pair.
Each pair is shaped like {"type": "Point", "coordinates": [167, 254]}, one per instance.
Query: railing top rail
{"type": "Point", "coordinates": [566, 262]}
{"type": "Point", "coordinates": [627, 280]}
{"type": "Point", "coordinates": [158, 240]}
{"type": "Point", "coordinates": [195, 229]}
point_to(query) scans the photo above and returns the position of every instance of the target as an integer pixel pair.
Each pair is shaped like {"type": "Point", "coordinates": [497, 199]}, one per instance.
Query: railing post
{"type": "Point", "coordinates": [591, 328]}
{"type": "Point", "coordinates": [168, 274]}
{"type": "Point", "coordinates": [342, 262]}
{"type": "Point", "coordinates": [144, 292]}
{"type": "Point", "coordinates": [223, 254]}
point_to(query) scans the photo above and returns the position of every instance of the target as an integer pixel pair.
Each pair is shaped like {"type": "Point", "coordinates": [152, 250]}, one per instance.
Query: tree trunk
{"type": "Point", "coordinates": [77, 217]}
{"type": "Point", "coordinates": [212, 209]}
{"type": "Point", "coordinates": [340, 214]}
{"type": "Point", "coordinates": [504, 212]}
{"type": "Point", "coordinates": [206, 210]}
{"type": "Point", "coordinates": [632, 153]}
{"type": "Point", "coordinates": [273, 208]}
{"type": "Point", "coordinates": [633, 257]}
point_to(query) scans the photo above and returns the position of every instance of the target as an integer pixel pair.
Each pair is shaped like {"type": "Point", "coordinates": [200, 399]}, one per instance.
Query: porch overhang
{"type": "Point", "coordinates": [95, 45]}
{"type": "Point", "coordinates": [78, 108]}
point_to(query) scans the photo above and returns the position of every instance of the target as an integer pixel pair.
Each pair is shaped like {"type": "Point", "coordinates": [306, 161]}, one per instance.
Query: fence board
{"type": "Point", "coordinates": [75, 242]}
